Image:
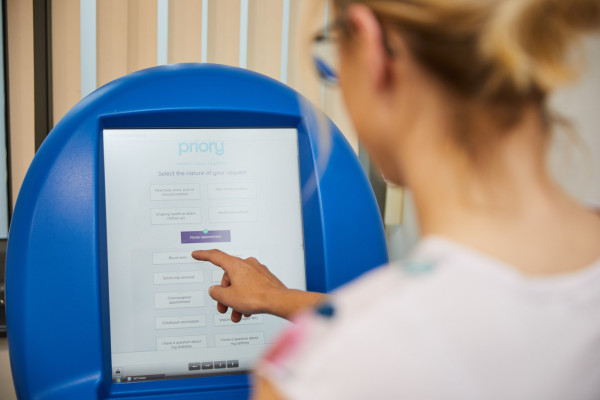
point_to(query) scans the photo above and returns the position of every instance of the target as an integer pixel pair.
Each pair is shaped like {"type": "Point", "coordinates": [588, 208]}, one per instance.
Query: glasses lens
{"type": "Point", "coordinates": [325, 71]}
{"type": "Point", "coordinates": [325, 60]}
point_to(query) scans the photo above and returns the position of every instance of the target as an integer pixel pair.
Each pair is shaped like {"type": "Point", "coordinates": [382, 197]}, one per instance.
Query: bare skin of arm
{"type": "Point", "coordinates": [248, 287]}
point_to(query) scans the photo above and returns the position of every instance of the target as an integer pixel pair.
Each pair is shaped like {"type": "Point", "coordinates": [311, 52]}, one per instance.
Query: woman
{"type": "Point", "coordinates": [501, 298]}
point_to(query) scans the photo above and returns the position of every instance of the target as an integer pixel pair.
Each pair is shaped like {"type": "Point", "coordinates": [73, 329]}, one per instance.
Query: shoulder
{"type": "Point", "coordinates": [435, 270]}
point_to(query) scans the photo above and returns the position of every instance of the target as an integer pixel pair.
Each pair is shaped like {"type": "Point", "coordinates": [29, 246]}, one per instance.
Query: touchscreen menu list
{"type": "Point", "coordinates": [172, 191]}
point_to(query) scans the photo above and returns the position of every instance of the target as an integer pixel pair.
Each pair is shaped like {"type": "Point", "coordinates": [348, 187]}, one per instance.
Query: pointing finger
{"type": "Point", "coordinates": [217, 257]}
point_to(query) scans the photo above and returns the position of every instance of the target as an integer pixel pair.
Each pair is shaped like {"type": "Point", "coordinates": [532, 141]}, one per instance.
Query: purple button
{"type": "Point", "coordinates": [205, 236]}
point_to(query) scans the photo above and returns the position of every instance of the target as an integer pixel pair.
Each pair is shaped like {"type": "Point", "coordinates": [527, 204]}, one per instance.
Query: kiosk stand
{"type": "Point", "coordinates": [103, 298]}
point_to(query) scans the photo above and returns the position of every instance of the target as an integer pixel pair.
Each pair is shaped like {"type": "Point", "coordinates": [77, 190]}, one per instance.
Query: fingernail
{"type": "Point", "coordinates": [210, 290]}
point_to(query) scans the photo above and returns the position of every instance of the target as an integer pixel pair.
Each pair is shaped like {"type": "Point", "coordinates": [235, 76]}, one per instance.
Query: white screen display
{"type": "Point", "coordinates": [172, 191]}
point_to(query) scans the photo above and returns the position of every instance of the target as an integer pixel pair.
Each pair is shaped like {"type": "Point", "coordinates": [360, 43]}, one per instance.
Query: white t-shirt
{"type": "Point", "coordinates": [449, 323]}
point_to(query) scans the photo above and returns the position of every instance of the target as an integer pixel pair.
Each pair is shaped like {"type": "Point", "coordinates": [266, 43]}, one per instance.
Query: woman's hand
{"type": "Point", "coordinates": [248, 287]}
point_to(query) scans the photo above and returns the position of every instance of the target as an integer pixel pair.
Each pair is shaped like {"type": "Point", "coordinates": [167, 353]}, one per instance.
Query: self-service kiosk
{"type": "Point", "coordinates": [103, 298]}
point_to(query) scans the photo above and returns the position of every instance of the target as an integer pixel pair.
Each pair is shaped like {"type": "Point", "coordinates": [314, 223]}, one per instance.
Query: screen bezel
{"type": "Point", "coordinates": [311, 226]}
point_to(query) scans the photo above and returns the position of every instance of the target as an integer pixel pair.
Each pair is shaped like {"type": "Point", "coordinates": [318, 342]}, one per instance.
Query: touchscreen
{"type": "Point", "coordinates": [172, 191]}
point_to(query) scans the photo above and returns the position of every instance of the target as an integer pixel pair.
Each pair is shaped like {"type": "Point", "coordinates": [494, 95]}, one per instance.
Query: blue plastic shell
{"type": "Point", "coordinates": [56, 278]}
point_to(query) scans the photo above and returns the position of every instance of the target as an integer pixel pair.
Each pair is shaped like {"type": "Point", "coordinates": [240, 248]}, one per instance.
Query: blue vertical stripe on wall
{"type": "Point", "coordinates": [162, 32]}
{"type": "Point", "coordinates": [285, 39]}
{"type": "Point", "coordinates": [243, 62]}
{"type": "Point", "coordinates": [203, 56]}
{"type": "Point", "coordinates": [87, 21]}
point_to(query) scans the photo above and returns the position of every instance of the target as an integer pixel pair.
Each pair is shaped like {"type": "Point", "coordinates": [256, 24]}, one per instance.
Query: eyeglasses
{"type": "Point", "coordinates": [325, 56]}
{"type": "Point", "coordinates": [324, 49]}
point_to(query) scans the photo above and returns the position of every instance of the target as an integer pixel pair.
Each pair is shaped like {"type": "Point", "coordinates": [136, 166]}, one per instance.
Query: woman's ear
{"type": "Point", "coordinates": [367, 44]}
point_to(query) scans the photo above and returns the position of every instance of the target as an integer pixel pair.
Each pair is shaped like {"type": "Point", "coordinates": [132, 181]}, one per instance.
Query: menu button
{"type": "Point", "coordinates": [194, 366]}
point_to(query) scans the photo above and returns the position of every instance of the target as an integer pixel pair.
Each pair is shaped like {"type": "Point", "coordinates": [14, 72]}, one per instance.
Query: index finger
{"type": "Point", "coordinates": [217, 257]}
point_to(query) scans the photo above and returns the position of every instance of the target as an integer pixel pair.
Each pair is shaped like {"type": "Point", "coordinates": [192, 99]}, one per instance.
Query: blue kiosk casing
{"type": "Point", "coordinates": [56, 279]}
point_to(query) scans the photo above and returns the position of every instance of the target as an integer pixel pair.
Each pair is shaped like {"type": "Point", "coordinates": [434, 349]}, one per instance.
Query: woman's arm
{"type": "Point", "coordinates": [248, 287]}
{"type": "Point", "coordinates": [290, 301]}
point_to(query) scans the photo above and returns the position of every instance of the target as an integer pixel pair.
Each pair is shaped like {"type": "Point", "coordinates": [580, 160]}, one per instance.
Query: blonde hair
{"type": "Point", "coordinates": [503, 54]}
{"type": "Point", "coordinates": [493, 49]}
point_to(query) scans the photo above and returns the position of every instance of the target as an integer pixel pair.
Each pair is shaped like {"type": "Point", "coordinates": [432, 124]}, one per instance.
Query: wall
{"type": "Point", "coordinates": [575, 156]}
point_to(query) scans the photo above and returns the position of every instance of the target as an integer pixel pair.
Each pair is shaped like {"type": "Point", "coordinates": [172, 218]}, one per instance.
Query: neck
{"type": "Point", "coordinates": [460, 197]}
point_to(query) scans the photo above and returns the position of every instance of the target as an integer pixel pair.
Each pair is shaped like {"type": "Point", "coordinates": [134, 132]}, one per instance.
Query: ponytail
{"type": "Point", "coordinates": [529, 42]}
